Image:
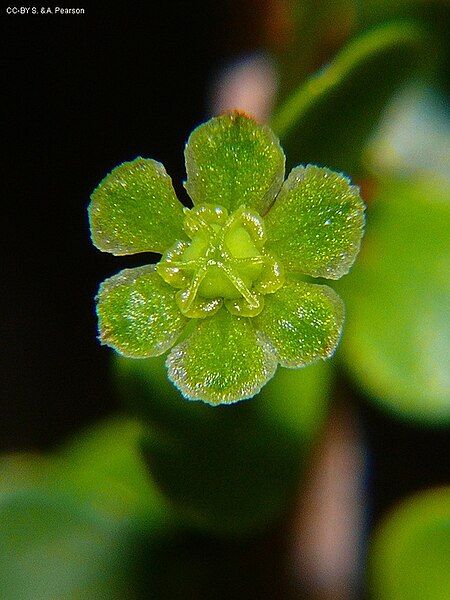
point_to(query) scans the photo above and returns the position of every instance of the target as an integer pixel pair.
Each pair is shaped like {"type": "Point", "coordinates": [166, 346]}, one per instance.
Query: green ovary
{"type": "Point", "coordinates": [217, 285]}
{"type": "Point", "coordinates": [224, 262]}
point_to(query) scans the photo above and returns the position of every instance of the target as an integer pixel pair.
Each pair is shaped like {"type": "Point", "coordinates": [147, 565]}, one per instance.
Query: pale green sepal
{"type": "Point", "coordinates": [222, 361]}
{"type": "Point", "coordinates": [302, 322]}
{"type": "Point", "coordinates": [197, 307]}
{"type": "Point", "coordinates": [244, 308]}
{"type": "Point", "coordinates": [272, 276]}
{"type": "Point", "coordinates": [135, 209]}
{"type": "Point", "coordinates": [316, 223]}
{"type": "Point", "coordinates": [169, 268]}
{"type": "Point", "coordinates": [232, 160]}
{"type": "Point", "coordinates": [203, 218]}
{"type": "Point", "coordinates": [137, 313]}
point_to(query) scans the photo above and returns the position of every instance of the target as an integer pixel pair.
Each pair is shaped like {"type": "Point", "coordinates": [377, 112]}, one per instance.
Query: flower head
{"type": "Point", "coordinates": [227, 296]}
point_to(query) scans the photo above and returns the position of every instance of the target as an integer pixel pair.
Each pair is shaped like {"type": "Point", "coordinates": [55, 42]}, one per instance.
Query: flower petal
{"type": "Point", "coordinates": [222, 361]}
{"type": "Point", "coordinates": [137, 313]}
{"type": "Point", "coordinates": [232, 160]}
{"type": "Point", "coordinates": [135, 209]}
{"type": "Point", "coordinates": [302, 321]}
{"type": "Point", "coordinates": [316, 223]}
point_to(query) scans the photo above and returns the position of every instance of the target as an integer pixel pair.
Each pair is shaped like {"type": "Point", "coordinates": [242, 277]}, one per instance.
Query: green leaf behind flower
{"type": "Point", "coordinates": [397, 339]}
{"type": "Point", "coordinates": [410, 553]}
{"type": "Point", "coordinates": [228, 470]}
{"type": "Point", "coordinates": [78, 524]}
{"type": "Point", "coordinates": [328, 119]}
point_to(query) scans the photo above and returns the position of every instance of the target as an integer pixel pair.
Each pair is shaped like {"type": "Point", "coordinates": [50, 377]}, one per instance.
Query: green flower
{"type": "Point", "coordinates": [228, 286]}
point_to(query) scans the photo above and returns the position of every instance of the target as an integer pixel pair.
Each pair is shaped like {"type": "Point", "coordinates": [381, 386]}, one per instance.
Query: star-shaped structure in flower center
{"type": "Point", "coordinates": [224, 262]}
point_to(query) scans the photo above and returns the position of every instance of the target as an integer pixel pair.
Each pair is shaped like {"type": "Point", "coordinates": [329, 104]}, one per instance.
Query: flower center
{"type": "Point", "coordinates": [224, 262]}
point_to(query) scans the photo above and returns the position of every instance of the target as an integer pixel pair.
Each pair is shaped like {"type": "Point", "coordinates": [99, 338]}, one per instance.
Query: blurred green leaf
{"type": "Point", "coordinates": [397, 337]}
{"type": "Point", "coordinates": [83, 522]}
{"type": "Point", "coordinates": [51, 547]}
{"type": "Point", "coordinates": [228, 470]}
{"type": "Point", "coordinates": [22, 471]}
{"type": "Point", "coordinates": [307, 35]}
{"type": "Point", "coordinates": [410, 554]}
{"type": "Point", "coordinates": [376, 10]}
{"type": "Point", "coordinates": [328, 119]}
{"type": "Point", "coordinates": [103, 466]}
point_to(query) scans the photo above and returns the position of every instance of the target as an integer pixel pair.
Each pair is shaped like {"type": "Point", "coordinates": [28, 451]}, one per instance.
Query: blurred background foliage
{"type": "Point", "coordinates": [173, 499]}
{"type": "Point", "coordinates": [409, 554]}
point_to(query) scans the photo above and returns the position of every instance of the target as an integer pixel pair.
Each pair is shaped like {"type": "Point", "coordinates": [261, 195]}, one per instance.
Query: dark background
{"type": "Point", "coordinates": [83, 94]}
